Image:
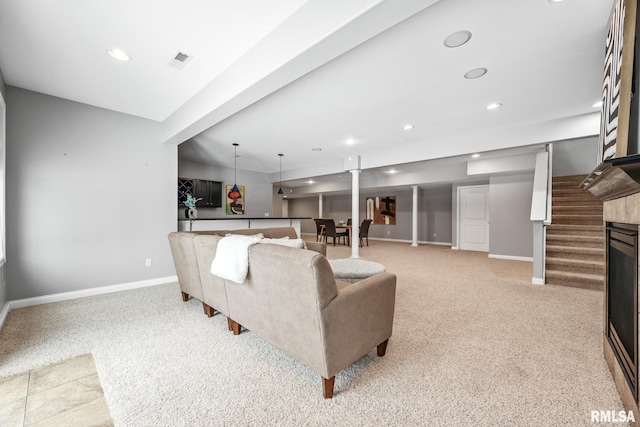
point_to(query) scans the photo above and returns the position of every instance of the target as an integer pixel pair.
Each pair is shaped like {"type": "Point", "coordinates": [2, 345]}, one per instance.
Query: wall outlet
{"type": "Point", "coordinates": [434, 235]}
{"type": "Point", "coordinates": [388, 233]}
{"type": "Point", "coordinates": [147, 262]}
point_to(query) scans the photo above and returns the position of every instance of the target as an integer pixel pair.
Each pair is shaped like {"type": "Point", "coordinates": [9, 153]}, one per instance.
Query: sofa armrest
{"type": "Point", "coordinates": [320, 247]}
{"type": "Point", "coordinates": [358, 319]}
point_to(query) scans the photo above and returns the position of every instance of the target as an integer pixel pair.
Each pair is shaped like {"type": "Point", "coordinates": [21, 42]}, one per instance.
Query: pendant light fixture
{"type": "Point", "coordinates": [235, 191]}
{"type": "Point", "coordinates": [280, 190]}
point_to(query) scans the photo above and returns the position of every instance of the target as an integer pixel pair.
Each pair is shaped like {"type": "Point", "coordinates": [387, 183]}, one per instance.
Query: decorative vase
{"type": "Point", "coordinates": [191, 213]}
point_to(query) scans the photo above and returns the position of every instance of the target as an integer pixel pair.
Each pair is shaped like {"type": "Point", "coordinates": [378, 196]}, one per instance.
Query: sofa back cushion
{"type": "Point", "coordinates": [184, 259]}
{"type": "Point", "coordinates": [279, 232]}
{"type": "Point", "coordinates": [282, 298]}
{"type": "Point", "coordinates": [213, 287]}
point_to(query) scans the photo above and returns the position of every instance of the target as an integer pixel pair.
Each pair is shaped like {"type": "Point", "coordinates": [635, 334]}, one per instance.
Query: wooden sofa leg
{"type": "Point", "coordinates": [230, 324]}
{"type": "Point", "coordinates": [327, 387]}
{"type": "Point", "coordinates": [382, 348]}
{"type": "Point", "coordinates": [208, 310]}
{"type": "Point", "coordinates": [235, 327]}
{"type": "Point", "coordinates": [185, 296]}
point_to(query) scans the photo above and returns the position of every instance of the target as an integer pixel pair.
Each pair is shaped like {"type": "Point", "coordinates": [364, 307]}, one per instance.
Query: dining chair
{"type": "Point", "coordinates": [319, 229]}
{"type": "Point", "coordinates": [330, 231]}
{"type": "Point", "coordinates": [364, 231]}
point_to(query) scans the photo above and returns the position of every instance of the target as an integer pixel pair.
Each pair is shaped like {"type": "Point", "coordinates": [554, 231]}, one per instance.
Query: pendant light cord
{"type": "Point", "coordinates": [280, 189]}
{"type": "Point", "coordinates": [235, 163]}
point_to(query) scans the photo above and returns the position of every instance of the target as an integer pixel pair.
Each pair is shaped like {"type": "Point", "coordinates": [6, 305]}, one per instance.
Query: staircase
{"type": "Point", "coordinates": [575, 238]}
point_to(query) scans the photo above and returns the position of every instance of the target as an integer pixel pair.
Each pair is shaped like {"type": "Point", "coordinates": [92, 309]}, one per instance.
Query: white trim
{"type": "Point", "coordinates": [421, 242]}
{"type": "Point", "coordinates": [537, 281]}
{"type": "Point", "coordinates": [513, 258]}
{"type": "Point", "coordinates": [455, 248]}
{"type": "Point", "coordinates": [65, 296]}
{"type": "Point", "coordinates": [435, 243]}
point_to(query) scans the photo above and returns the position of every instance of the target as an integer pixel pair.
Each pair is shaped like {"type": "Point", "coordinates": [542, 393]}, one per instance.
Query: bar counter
{"type": "Point", "coordinates": [237, 223]}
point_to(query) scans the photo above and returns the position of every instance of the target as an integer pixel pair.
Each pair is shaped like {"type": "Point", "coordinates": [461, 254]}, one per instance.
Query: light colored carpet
{"type": "Point", "coordinates": [474, 343]}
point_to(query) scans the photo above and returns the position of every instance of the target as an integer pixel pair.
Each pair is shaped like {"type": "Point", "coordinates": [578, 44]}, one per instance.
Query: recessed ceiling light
{"type": "Point", "coordinates": [475, 73]}
{"type": "Point", "coordinates": [408, 126]}
{"type": "Point", "coordinates": [457, 39]}
{"type": "Point", "coordinates": [475, 155]}
{"type": "Point", "coordinates": [316, 149]}
{"type": "Point", "coordinates": [555, 1]}
{"type": "Point", "coordinates": [119, 54]}
{"type": "Point", "coordinates": [493, 106]}
{"type": "Point", "coordinates": [597, 104]}
{"type": "Point", "coordinates": [311, 181]}
{"type": "Point", "coordinates": [391, 171]}
{"type": "Point", "coordinates": [350, 141]}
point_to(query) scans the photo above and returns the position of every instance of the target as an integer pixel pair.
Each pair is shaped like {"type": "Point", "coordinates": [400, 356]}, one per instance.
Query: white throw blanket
{"type": "Point", "coordinates": [232, 257]}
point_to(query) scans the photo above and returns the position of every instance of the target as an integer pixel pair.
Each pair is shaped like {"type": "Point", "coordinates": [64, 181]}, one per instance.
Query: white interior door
{"type": "Point", "coordinates": [473, 225]}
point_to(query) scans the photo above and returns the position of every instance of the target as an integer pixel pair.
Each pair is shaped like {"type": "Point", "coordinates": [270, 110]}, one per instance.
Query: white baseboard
{"type": "Point", "coordinates": [420, 242]}
{"type": "Point", "coordinates": [512, 258]}
{"type": "Point", "coordinates": [537, 281]}
{"type": "Point", "coordinates": [65, 296]}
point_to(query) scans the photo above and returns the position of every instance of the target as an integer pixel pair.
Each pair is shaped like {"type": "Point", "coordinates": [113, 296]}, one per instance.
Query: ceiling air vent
{"type": "Point", "coordinates": [179, 60]}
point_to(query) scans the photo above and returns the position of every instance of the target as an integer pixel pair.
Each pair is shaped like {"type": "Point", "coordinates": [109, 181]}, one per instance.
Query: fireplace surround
{"type": "Point", "coordinates": [623, 212]}
{"type": "Point", "coordinates": [621, 305]}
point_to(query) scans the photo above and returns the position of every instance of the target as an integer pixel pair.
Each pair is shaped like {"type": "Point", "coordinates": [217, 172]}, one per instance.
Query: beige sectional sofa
{"type": "Point", "coordinates": [291, 299]}
{"type": "Point", "coordinates": [188, 272]}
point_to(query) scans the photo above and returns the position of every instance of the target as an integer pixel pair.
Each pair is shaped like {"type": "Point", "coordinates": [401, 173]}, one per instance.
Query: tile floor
{"type": "Point", "coordinates": [67, 393]}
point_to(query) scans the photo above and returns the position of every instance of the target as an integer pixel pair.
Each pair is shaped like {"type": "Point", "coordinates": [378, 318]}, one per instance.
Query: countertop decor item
{"type": "Point", "coordinates": [190, 203]}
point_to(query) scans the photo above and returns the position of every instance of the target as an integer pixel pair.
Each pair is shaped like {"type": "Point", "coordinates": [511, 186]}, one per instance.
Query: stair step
{"type": "Point", "coordinates": [571, 189]}
{"type": "Point", "coordinates": [574, 201]}
{"type": "Point", "coordinates": [570, 195]}
{"type": "Point", "coordinates": [581, 241]}
{"type": "Point", "coordinates": [576, 219]}
{"type": "Point", "coordinates": [579, 252]}
{"type": "Point", "coordinates": [581, 266]}
{"type": "Point", "coordinates": [577, 280]}
{"type": "Point", "coordinates": [586, 209]}
{"type": "Point", "coordinates": [568, 179]}
{"type": "Point", "coordinates": [575, 228]}
{"type": "Point", "coordinates": [575, 240]}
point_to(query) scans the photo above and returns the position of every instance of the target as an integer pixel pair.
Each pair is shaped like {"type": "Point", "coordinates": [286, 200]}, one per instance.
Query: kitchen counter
{"type": "Point", "coordinates": [237, 223]}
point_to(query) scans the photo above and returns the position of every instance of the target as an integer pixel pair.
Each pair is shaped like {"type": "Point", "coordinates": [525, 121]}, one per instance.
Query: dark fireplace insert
{"type": "Point", "coordinates": [622, 298]}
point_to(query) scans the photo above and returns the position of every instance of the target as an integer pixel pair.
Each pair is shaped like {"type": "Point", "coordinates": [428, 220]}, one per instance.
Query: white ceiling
{"type": "Point", "coordinates": [292, 75]}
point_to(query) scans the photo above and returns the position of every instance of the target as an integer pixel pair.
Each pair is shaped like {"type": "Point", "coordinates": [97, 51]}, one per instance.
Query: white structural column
{"type": "Point", "coordinates": [414, 225]}
{"type": "Point", "coordinates": [319, 205]}
{"type": "Point", "coordinates": [355, 213]}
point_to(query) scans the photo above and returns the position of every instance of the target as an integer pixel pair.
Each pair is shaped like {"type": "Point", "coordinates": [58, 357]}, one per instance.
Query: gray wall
{"type": "Point", "coordinates": [575, 156]}
{"type": "Point", "coordinates": [511, 230]}
{"type": "Point", "coordinates": [434, 213]}
{"type": "Point", "coordinates": [3, 282]}
{"type": "Point", "coordinates": [91, 194]}
{"type": "Point", "coordinates": [305, 207]}
{"type": "Point", "coordinates": [257, 186]}
{"type": "Point", "coordinates": [3, 87]}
